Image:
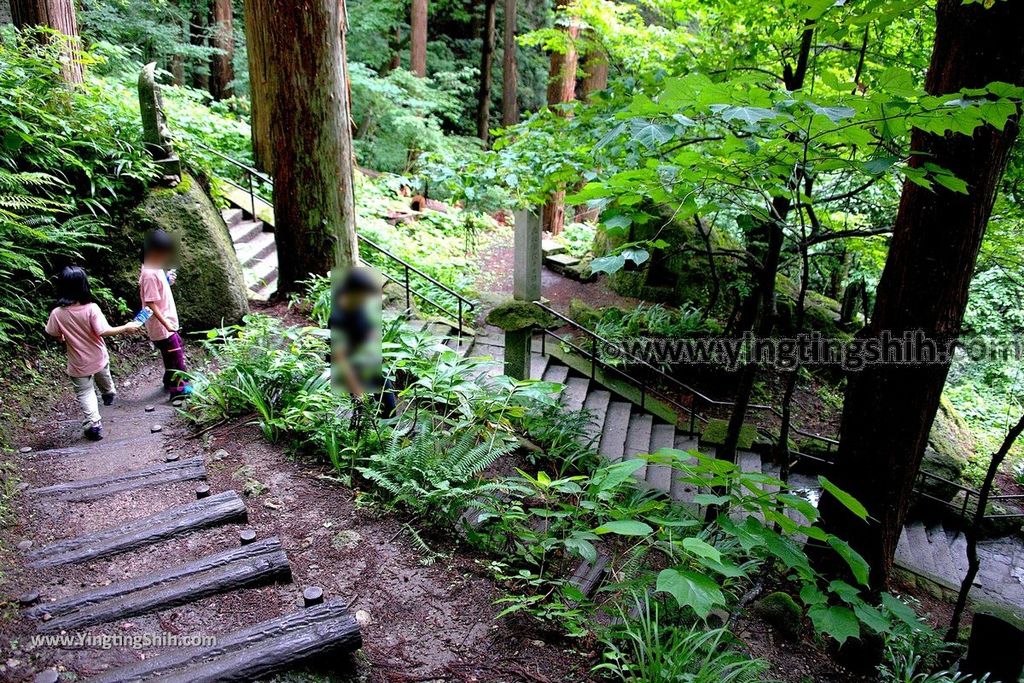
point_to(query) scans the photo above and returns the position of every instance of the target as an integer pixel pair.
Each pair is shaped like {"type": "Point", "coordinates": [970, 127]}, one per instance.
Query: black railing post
{"type": "Point", "coordinates": [252, 195]}
{"type": "Point", "coordinates": [593, 357]}
{"type": "Point", "coordinates": [693, 416]}
{"type": "Point", "coordinates": [460, 320]}
{"type": "Point", "coordinates": [408, 293]}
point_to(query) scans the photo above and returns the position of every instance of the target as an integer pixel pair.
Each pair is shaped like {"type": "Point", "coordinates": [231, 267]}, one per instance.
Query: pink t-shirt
{"type": "Point", "coordinates": [79, 326]}
{"type": "Point", "coordinates": [156, 293]}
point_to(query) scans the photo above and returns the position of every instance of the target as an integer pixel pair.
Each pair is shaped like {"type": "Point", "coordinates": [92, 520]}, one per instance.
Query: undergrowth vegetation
{"type": "Point", "coordinates": [453, 455]}
{"type": "Point", "coordinates": [68, 159]}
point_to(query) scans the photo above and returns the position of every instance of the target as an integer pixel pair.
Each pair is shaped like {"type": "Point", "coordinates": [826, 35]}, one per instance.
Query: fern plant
{"type": "Point", "coordinates": [436, 476]}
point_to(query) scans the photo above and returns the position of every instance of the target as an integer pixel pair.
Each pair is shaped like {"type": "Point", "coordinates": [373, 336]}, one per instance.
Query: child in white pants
{"type": "Point", "coordinates": [80, 324]}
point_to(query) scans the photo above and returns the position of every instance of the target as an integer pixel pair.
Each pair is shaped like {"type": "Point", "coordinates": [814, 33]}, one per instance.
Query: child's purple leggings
{"type": "Point", "coordinates": [173, 351]}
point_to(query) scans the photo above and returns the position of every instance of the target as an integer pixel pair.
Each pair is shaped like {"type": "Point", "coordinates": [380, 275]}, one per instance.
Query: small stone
{"type": "Point", "coordinates": [26, 599]}
{"type": "Point", "coordinates": [24, 545]}
{"type": "Point", "coordinates": [150, 409]}
{"type": "Point", "coordinates": [363, 617]}
{"type": "Point", "coordinates": [346, 540]}
{"type": "Point", "coordinates": [177, 404]}
{"type": "Point", "coordinates": [24, 486]}
{"type": "Point", "coordinates": [156, 428]}
{"type": "Point", "coordinates": [220, 454]}
{"type": "Point", "coordinates": [46, 676]}
{"type": "Point", "coordinates": [246, 536]}
{"type": "Point", "coordinates": [25, 449]}
{"type": "Point", "coordinates": [313, 595]}
{"type": "Point", "coordinates": [202, 491]}
{"type": "Point", "coordinates": [171, 457]}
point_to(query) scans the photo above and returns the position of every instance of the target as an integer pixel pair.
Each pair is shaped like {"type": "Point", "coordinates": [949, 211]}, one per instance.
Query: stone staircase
{"type": "Point", "coordinates": [256, 251]}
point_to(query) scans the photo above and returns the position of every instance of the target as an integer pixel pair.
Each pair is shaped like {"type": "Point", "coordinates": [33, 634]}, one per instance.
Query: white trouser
{"type": "Point", "coordinates": [85, 392]}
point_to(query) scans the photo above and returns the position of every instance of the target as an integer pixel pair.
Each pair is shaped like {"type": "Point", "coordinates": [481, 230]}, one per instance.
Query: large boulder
{"type": "Point", "coordinates": [210, 290]}
{"type": "Point", "coordinates": [950, 448]}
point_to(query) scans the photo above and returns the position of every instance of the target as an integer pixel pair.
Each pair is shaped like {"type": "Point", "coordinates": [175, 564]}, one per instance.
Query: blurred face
{"type": "Point", "coordinates": [158, 257]}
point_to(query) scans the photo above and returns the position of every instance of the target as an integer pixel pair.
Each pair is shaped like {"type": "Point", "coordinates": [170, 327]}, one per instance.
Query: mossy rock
{"type": "Point", "coordinates": [513, 316]}
{"type": "Point", "coordinates": [781, 612]}
{"type": "Point", "coordinates": [677, 274]}
{"type": "Point", "coordinates": [210, 290]}
{"type": "Point", "coordinates": [950, 448]}
{"type": "Point", "coordinates": [715, 432]}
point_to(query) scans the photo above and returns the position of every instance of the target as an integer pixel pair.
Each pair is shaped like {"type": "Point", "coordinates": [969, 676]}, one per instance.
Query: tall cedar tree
{"type": "Point", "coordinates": [418, 37]}
{"type": "Point", "coordinates": [310, 136]}
{"type": "Point", "coordinates": [260, 54]}
{"type": "Point", "coordinates": [483, 100]}
{"type": "Point", "coordinates": [889, 409]}
{"type": "Point", "coordinates": [222, 71]}
{"type": "Point", "coordinates": [561, 90]}
{"type": "Point", "coordinates": [58, 15]}
{"type": "Point", "coordinates": [509, 69]}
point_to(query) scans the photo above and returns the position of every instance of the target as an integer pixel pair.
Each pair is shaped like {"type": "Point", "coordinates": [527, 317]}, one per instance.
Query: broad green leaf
{"type": "Point", "coordinates": [858, 565]}
{"type": "Point", "coordinates": [691, 589]}
{"type": "Point", "coordinates": [698, 547]}
{"type": "Point", "coordinates": [839, 622]}
{"type": "Point", "coordinates": [848, 501]}
{"type": "Point", "coordinates": [624, 527]}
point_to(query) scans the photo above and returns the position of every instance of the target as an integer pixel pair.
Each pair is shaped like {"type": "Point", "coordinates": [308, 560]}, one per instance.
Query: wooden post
{"type": "Point", "coordinates": [526, 279]}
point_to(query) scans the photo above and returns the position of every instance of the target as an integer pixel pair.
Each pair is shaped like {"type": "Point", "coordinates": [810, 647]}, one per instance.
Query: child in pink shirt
{"type": "Point", "coordinates": [80, 324]}
{"type": "Point", "coordinates": [162, 327]}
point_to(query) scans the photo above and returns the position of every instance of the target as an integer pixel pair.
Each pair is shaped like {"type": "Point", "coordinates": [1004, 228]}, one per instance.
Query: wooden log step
{"type": "Point", "coordinates": [254, 652]}
{"type": "Point", "coordinates": [248, 565]}
{"type": "Point", "coordinates": [98, 487]}
{"type": "Point", "coordinates": [90, 448]}
{"type": "Point", "coordinates": [223, 507]}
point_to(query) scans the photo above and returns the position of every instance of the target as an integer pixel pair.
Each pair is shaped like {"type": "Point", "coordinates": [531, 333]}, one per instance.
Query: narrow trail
{"type": "Point", "coordinates": [417, 622]}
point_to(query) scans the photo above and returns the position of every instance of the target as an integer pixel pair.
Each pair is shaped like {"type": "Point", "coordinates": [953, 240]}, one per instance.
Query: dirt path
{"type": "Point", "coordinates": [420, 622]}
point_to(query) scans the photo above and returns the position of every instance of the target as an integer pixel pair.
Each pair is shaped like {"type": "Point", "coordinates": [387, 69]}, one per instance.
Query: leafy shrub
{"type": "Point", "coordinates": [68, 159]}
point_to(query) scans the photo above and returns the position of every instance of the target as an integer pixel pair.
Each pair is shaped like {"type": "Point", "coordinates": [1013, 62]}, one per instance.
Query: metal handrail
{"type": "Point", "coordinates": [698, 398]}
{"type": "Point", "coordinates": [968, 494]}
{"type": "Point", "coordinates": [463, 305]}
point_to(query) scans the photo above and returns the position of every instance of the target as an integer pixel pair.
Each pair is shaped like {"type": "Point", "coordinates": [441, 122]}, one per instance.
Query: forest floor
{"type": "Point", "coordinates": [428, 621]}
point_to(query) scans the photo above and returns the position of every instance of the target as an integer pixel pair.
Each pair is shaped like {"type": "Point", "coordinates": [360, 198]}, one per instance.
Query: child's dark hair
{"type": "Point", "coordinates": [158, 240]}
{"type": "Point", "coordinates": [73, 287]}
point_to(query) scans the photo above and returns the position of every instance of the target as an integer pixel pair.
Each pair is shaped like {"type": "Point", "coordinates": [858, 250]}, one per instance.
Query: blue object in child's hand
{"type": "Point", "coordinates": [142, 316]}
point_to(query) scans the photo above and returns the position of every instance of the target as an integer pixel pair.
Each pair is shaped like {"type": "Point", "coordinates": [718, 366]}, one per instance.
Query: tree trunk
{"type": "Point", "coordinates": [595, 66]}
{"type": "Point", "coordinates": [561, 90]}
{"type": "Point", "coordinates": [259, 14]}
{"type": "Point", "coordinates": [889, 409]}
{"type": "Point", "coordinates": [509, 69]}
{"type": "Point", "coordinates": [197, 38]}
{"type": "Point", "coordinates": [310, 137]}
{"type": "Point", "coordinates": [418, 38]}
{"type": "Point", "coordinates": [483, 106]}
{"type": "Point", "coordinates": [60, 16]}
{"type": "Point", "coordinates": [222, 70]}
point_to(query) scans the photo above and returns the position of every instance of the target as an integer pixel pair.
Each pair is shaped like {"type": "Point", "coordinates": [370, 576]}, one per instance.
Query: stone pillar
{"type": "Point", "coordinates": [527, 256]}
{"type": "Point", "coordinates": [525, 287]}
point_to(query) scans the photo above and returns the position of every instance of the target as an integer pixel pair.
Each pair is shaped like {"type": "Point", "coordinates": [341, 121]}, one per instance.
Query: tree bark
{"type": "Point", "coordinates": [595, 66]}
{"type": "Point", "coordinates": [889, 409]}
{"type": "Point", "coordinates": [509, 69]}
{"type": "Point", "coordinates": [258, 14]}
{"type": "Point", "coordinates": [197, 38]}
{"type": "Point", "coordinates": [222, 70]}
{"type": "Point", "coordinates": [60, 16]}
{"type": "Point", "coordinates": [483, 106]}
{"type": "Point", "coordinates": [310, 137]}
{"type": "Point", "coordinates": [418, 37]}
{"type": "Point", "coordinates": [561, 90]}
